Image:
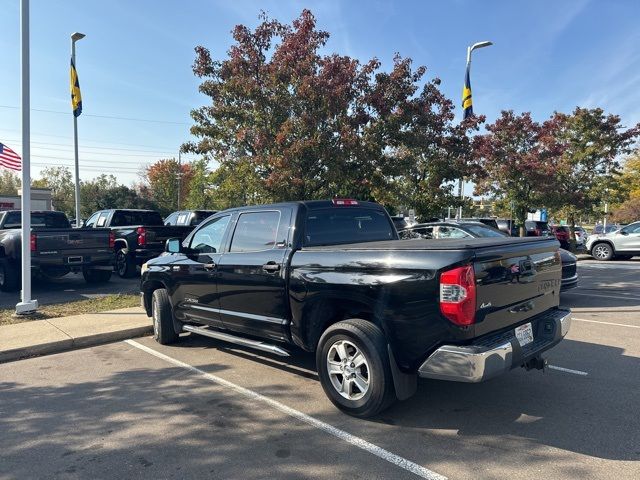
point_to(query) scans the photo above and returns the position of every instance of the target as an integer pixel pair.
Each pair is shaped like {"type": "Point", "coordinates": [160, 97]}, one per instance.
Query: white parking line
{"type": "Point", "coordinates": [606, 323]}
{"type": "Point", "coordinates": [330, 429]}
{"type": "Point", "coordinates": [567, 370]}
{"type": "Point", "coordinates": [619, 297]}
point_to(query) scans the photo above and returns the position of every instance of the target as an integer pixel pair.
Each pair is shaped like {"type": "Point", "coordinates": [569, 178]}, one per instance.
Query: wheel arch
{"type": "Point", "coordinates": [120, 243]}
{"type": "Point", "coordinates": [604, 240]}
{"type": "Point", "coordinates": [320, 314]}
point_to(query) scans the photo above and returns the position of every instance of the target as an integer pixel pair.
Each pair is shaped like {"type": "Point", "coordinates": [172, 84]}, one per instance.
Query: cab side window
{"type": "Point", "coordinates": [208, 238]}
{"type": "Point", "coordinates": [91, 222]}
{"type": "Point", "coordinates": [255, 231]}
{"type": "Point", "coordinates": [171, 219]}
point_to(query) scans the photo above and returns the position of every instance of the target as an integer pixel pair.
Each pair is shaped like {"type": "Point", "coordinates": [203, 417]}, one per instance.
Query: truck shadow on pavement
{"type": "Point", "coordinates": [591, 415]}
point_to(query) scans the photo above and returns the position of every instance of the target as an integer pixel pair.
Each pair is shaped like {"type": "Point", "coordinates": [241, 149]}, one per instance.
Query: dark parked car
{"type": "Point", "coordinates": [562, 234]}
{"type": "Point", "coordinates": [188, 217]}
{"type": "Point", "coordinates": [139, 236]}
{"type": "Point", "coordinates": [462, 229]}
{"type": "Point", "coordinates": [56, 248]}
{"type": "Point", "coordinates": [536, 228]}
{"type": "Point", "coordinates": [334, 279]}
{"type": "Point", "coordinates": [490, 222]}
{"type": "Point", "coordinates": [508, 226]}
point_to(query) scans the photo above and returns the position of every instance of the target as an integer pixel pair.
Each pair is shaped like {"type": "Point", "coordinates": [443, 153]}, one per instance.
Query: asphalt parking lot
{"type": "Point", "coordinates": [205, 409]}
{"type": "Point", "coordinates": [69, 288]}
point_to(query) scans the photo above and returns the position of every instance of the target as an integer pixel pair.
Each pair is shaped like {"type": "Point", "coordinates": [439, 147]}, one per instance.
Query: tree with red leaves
{"type": "Point", "coordinates": [162, 179]}
{"type": "Point", "coordinates": [514, 162]}
{"type": "Point", "coordinates": [301, 125]}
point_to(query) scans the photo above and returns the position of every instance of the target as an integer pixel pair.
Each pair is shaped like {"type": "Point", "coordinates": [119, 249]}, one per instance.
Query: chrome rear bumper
{"type": "Point", "coordinates": [476, 363]}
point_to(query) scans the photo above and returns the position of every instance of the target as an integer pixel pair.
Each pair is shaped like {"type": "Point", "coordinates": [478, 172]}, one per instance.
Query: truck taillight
{"type": "Point", "coordinates": [344, 202]}
{"type": "Point", "coordinates": [458, 295]}
{"type": "Point", "coordinates": [33, 242]}
{"type": "Point", "coordinates": [142, 236]}
{"type": "Point", "coordinates": [112, 239]}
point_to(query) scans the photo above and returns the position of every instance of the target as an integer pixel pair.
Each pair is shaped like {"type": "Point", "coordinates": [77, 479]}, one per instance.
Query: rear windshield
{"type": "Point", "coordinates": [562, 229]}
{"type": "Point", "coordinates": [123, 217]}
{"type": "Point", "coordinates": [38, 219]}
{"type": "Point", "coordinates": [200, 215]}
{"type": "Point", "coordinates": [338, 225]}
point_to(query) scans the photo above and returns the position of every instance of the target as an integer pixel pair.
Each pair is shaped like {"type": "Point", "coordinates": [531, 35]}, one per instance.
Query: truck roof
{"type": "Point", "coordinates": [310, 205]}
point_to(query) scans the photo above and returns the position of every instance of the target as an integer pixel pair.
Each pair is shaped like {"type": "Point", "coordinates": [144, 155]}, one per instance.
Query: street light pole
{"type": "Point", "coordinates": [74, 38]}
{"type": "Point", "coordinates": [26, 305]}
{"type": "Point", "coordinates": [179, 177]}
{"type": "Point", "coordinates": [470, 49]}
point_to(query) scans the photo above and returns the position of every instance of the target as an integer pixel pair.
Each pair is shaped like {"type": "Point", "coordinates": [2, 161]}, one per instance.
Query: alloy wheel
{"type": "Point", "coordinates": [601, 251]}
{"type": "Point", "coordinates": [348, 370]}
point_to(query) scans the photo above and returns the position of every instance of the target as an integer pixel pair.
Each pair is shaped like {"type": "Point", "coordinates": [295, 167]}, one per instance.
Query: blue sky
{"type": "Point", "coordinates": [136, 61]}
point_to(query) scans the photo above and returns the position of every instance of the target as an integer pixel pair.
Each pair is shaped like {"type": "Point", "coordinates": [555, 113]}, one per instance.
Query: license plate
{"type": "Point", "coordinates": [524, 334]}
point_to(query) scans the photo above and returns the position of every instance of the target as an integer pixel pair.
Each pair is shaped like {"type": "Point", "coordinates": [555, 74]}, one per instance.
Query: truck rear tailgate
{"type": "Point", "coordinates": [158, 235]}
{"type": "Point", "coordinates": [70, 239]}
{"type": "Point", "coordinates": [514, 282]}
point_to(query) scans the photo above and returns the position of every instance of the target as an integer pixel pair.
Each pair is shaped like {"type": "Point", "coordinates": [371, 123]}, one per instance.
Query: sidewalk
{"type": "Point", "coordinates": [41, 337]}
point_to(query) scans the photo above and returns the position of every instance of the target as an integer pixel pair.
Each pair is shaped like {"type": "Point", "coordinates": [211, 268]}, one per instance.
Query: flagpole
{"type": "Point", "coordinates": [74, 38]}
{"type": "Point", "coordinates": [27, 305]}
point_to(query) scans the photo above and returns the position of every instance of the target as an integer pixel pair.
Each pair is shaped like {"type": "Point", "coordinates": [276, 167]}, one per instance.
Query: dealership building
{"type": "Point", "coordinates": [40, 200]}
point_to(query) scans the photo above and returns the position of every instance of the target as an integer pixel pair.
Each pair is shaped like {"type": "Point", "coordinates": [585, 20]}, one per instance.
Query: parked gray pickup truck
{"type": "Point", "coordinates": [56, 248]}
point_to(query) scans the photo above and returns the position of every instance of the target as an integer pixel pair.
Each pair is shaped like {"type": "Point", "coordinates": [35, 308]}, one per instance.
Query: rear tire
{"type": "Point", "coordinates": [162, 315]}
{"type": "Point", "coordinates": [354, 370]}
{"type": "Point", "coordinates": [9, 276]}
{"type": "Point", "coordinates": [125, 266]}
{"type": "Point", "coordinates": [96, 276]}
{"type": "Point", "coordinates": [602, 251]}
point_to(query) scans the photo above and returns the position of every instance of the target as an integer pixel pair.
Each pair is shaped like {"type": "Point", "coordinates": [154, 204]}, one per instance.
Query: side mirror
{"type": "Point", "coordinates": [173, 245]}
{"type": "Point", "coordinates": [624, 232]}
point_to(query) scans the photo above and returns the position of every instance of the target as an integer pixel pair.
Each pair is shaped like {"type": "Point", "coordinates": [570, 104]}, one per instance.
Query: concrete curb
{"type": "Point", "coordinates": [45, 337]}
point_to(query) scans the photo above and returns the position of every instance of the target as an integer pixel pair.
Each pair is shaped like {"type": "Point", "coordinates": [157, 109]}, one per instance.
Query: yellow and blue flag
{"type": "Point", "coordinates": [76, 97]}
{"type": "Point", "coordinates": [467, 102]}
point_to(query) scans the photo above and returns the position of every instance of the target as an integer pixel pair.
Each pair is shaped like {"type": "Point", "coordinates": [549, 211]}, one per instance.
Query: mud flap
{"type": "Point", "coordinates": [405, 384]}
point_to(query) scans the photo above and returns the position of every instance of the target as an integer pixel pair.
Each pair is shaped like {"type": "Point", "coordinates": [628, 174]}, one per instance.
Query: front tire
{"type": "Point", "coordinates": [602, 251]}
{"type": "Point", "coordinates": [9, 276]}
{"type": "Point", "coordinates": [354, 370]}
{"type": "Point", "coordinates": [163, 331]}
{"type": "Point", "coordinates": [125, 266]}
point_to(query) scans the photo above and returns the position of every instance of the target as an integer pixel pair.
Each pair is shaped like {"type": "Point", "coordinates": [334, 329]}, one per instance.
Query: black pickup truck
{"type": "Point", "coordinates": [56, 248]}
{"type": "Point", "coordinates": [139, 236]}
{"type": "Point", "coordinates": [332, 277]}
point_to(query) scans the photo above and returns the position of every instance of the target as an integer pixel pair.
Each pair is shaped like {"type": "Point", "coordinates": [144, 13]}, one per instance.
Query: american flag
{"type": "Point", "coordinates": [9, 159]}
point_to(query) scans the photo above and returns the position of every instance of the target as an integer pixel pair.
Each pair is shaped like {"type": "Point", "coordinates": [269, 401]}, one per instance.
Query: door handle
{"type": "Point", "coordinates": [209, 266]}
{"type": "Point", "coordinates": [271, 267]}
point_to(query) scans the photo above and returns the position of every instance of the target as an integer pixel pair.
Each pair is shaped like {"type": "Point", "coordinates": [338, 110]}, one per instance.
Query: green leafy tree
{"type": "Point", "coordinates": [60, 181]}
{"type": "Point", "coordinates": [9, 183]}
{"type": "Point", "coordinates": [588, 145]}
{"type": "Point", "coordinates": [104, 192]}
{"type": "Point", "coordinates": [199, 195]}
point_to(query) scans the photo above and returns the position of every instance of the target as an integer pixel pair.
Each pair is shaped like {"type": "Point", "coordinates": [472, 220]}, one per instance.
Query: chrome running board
{"type": "Point", "coordinates": [258, 345]}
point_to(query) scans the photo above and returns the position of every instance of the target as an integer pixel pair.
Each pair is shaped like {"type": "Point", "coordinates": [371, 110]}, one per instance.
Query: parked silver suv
{"type": "Point", "coordinates": [622, 244]}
